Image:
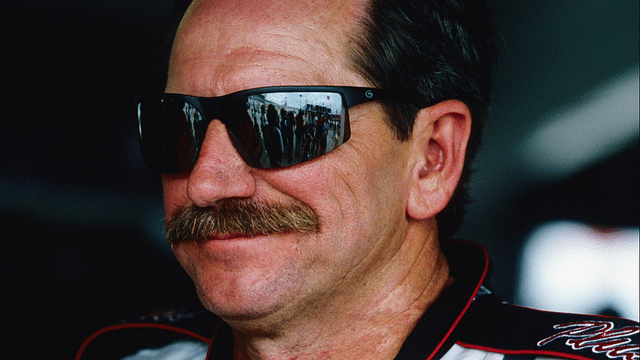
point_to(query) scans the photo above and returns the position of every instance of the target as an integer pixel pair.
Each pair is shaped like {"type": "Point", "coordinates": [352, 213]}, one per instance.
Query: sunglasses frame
{"type": "Point", "coordinates": [212, 108]}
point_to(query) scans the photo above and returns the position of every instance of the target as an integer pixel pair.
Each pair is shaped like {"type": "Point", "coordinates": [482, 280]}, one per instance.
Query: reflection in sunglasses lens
{"type": "Point", "coordinates": [291, 127]}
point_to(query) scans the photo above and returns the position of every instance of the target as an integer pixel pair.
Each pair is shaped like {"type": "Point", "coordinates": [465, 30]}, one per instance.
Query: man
{"type": "Point", "coordinates": [343, 256]}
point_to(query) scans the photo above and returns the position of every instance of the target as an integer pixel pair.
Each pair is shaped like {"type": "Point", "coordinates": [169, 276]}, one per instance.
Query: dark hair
{"type": "Point", "coordinates": [430, 51]}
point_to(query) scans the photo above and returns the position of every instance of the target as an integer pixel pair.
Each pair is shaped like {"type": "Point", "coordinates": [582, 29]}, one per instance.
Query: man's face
{"type": "Point", "coordinates": [358, 191]}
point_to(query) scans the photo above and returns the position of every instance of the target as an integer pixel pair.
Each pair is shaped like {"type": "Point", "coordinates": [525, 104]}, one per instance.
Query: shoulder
{"type": "Point", "coordinates": [492, 325]}
{"type": "Point", "coordinates": [183, 350]}
{"type": "Point", "coordinates": [159, 335]}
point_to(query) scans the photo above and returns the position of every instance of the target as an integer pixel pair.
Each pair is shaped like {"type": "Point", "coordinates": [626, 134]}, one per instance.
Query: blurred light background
{"type": "Point", "coordinates": [555, 188]}
{"type": "Point", "coordinates": [572, 267]}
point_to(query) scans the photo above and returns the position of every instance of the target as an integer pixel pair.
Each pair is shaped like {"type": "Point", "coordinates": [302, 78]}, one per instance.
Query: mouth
{"type": "Point", "coordinates": [218, 240]}
{"type": "Point", "coordinates": [239, 235]}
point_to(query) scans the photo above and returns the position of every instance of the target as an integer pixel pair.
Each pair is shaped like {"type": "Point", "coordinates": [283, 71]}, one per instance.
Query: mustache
{"type": "Point", "coordinates": [241, 217]}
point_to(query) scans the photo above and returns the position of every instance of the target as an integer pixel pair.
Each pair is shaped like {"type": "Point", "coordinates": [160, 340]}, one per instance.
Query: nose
{"type": "Point", "coordinates": [219, 172]}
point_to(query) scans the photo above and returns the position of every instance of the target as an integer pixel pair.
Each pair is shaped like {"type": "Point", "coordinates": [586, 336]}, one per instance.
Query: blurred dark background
{"type": "Point", "coordinates": [81, 218]}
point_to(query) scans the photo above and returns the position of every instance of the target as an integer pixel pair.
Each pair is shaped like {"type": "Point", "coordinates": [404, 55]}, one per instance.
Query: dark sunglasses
{"type": "Point", "coordinates": [270, 127]}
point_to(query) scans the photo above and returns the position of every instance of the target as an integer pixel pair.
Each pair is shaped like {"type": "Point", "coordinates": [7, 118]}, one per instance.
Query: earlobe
{"type": "Point", "coordinates": [439, 137]}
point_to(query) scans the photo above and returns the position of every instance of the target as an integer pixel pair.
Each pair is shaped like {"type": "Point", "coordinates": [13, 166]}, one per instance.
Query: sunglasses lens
{"type": "Point", "coordinates": [273, 130]}
{"type": "Point", "coordinates": [168, 134]}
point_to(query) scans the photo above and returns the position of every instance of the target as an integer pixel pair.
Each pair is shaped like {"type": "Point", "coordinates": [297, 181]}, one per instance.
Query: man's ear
{"type": "Point", "coordinates": [439, 141]}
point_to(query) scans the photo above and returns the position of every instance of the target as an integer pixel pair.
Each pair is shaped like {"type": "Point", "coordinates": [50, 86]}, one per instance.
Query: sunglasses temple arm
{"type": "Point", "coordinates": [357, 96]}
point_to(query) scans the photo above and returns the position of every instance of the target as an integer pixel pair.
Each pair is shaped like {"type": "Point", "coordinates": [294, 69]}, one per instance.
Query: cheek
{"type": "Point", "coordinates": [174, 192]}
{"type": "Point", "coordinates": [376, 179]}
{"type": "Point", "coordinates": [355, 195]}
{"type": "Point", "coordinates": [373, 194]}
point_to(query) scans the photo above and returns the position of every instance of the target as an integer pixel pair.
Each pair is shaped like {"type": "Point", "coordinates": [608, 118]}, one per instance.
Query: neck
{"type": "Point", "coordinates": [368, 322]}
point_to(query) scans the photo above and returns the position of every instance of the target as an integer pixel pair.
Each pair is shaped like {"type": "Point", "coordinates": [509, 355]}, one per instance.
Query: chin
{"type": "Point", "coordinates": [246, 293]}
{"type": "Point", "coordinates": [258, 308]}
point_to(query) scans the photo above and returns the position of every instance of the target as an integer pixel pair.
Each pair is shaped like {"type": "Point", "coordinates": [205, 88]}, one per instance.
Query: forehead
{"type": "Point", "coordinates": [224, 45]}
